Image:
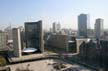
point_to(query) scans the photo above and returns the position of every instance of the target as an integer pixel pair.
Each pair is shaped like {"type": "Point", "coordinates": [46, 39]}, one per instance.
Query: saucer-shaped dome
{"type": "Point", "coordinates": [29, 50]}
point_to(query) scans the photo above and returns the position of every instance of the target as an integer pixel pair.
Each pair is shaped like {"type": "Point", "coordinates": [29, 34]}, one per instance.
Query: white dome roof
{"type": "Point", "coordinates": [29, 50]}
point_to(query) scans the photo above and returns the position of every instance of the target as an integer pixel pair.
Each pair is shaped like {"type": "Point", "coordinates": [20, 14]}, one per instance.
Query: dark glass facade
{"type": "Point", "coordinates": [83, 24]}
{"type": "Point", "coordinates": [33, 34]}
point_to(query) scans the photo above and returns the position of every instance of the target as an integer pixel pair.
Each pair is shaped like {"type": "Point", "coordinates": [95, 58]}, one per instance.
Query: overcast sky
{"type": "Point", "coordinates": [66, 12]}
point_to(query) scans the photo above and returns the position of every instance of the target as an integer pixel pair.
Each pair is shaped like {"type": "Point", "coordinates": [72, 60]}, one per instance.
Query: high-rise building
{"type": "Point", "coordinates": [99, 28]}
{"type": "Point", "coordinates": [17, 42]}
{"type": "Point", "coordinates": [83, 24]}
{"type": "Point", "coordinates": [34, 35]}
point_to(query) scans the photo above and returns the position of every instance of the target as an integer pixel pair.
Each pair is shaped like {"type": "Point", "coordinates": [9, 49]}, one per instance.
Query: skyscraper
{"type": "Point", "coordinates": [83, 24]}
{"type": "Point", "coordinates": [33, 35]}
{"type": "Point", "coordinates": [99, 27]}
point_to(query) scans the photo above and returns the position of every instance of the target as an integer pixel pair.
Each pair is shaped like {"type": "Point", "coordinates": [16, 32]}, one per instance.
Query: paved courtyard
{"type": "Point", "coordinates": [46, 65]}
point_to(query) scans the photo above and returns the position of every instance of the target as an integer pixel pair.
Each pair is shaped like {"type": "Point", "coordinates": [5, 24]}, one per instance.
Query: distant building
{"type": "Point", "coordinates": [34, 35]}
{"type": "Point", "coordinates": [8, 30]}
{"type": "Point", "coordinates": [17, 42]}
{"type": "Point", "coordinates": [91, 33]}
{"type": "Point", "coordinates": [21, 28]}
{"type": "Point", "coordinates": [99, 31]}
{"type": "Point", "coordinates": [56, 27]}
{"type": "Point", "coordinates": [105, 37]}
{"type": "Point", "coordinates": [3, 39]}
{"type": "Point", "coordinates": [69, 32]}
{"type": "Point", "coordinates": [61, 43]}
{"type": "Point", "coordinates": [58, 41]}
{"type": "Point", "coordinates": [83, 24]}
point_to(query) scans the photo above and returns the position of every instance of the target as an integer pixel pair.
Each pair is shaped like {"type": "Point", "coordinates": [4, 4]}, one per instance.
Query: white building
{"type": "Point", "coordinates": [56, 27]}
{"type": "Point", "coordinates": [99, 28]}
{"type": "Point", "coordinates": [17, 42]}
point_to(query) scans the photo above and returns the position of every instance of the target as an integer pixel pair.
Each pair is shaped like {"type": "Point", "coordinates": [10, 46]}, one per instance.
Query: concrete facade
{"type": "Point", "coordinates": [8, 30]}
{"type": "Point", "coordinates": [79, 42]}
{"type": "Point", "coordinates": [56, 27]}
{"type": "Point", "coordinates": [3, 39]}
{"type": "Point", "coordinates": [99, 31]}
{"type": "Point", "coordinates": [17, 42]}
{"type": "Point", "coordinates": [58, 41]}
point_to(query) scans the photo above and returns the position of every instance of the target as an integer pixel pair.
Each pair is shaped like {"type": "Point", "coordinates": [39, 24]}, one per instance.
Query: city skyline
{"type": "Point", "coordinates": [16, 12]}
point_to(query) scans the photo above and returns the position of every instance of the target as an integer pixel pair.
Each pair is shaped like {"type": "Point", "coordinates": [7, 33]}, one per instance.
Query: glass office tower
{"type": "Point", "coordinates": [83, 24]}
{"type": "Point", "coordinates": [33, 35]}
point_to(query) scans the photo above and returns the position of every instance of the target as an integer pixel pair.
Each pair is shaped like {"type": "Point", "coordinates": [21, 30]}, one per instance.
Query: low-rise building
{"type": "Point", "coordinates": [95, 53]}
{"type": "Point", "coordinates": [61, 43]}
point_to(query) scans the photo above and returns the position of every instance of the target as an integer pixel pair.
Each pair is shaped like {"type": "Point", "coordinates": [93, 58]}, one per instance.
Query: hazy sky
{"type": "Point", "coordinates": [17, 12]}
